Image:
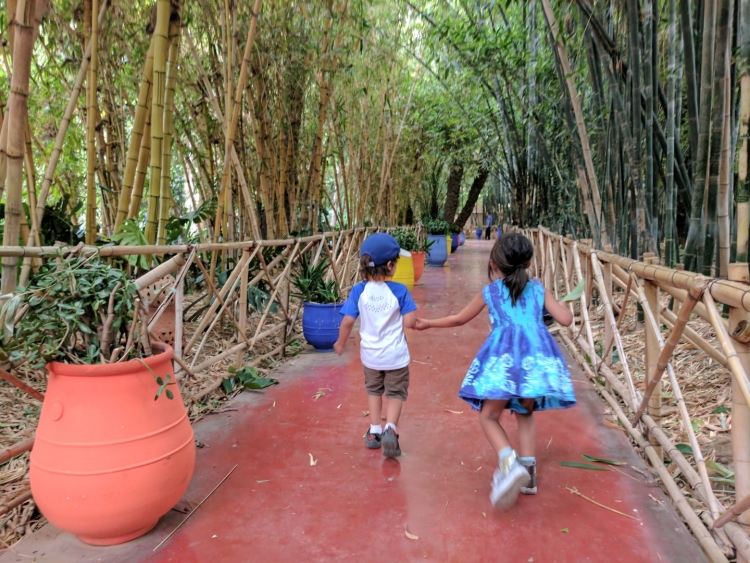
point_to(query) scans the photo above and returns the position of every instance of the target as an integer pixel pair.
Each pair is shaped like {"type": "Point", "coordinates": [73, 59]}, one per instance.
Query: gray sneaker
{"type": "Point", "coordinates": [389, 440]}
{"type": "Point", "coordinates": [530, 489]}
{"type": "Point", "coordinates": [509, 477]}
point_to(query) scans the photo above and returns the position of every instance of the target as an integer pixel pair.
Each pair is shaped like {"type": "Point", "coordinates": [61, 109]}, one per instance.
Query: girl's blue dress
{"type": "Point", "coordinates": [519, 359]}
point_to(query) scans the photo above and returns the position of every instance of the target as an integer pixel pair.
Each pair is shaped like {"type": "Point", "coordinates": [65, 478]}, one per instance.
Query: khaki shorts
{"type": "Point", "coordinates": [394, 382]}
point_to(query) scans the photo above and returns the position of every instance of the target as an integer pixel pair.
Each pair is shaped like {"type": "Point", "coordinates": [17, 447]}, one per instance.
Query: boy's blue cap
{"type": "Point", "coordinates": [381, 247]}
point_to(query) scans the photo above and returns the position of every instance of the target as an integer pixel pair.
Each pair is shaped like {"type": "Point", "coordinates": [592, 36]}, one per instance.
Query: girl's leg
{"type": "Point", "coordinates": [526, 430]}
{"type": "Point", "coordinates": [489, 418]}
{"type": "Point", "coordinates": [527, 439]}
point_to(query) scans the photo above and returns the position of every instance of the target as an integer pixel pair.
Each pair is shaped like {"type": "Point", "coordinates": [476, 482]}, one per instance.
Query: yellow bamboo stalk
{"type": "Point", "coordinates": [161, 48]}
{"type": "Point", "coordinates": [144, 154]}
{"type": "Point", "coordinates": [165, 198]}
{"type": "Point", "coordinates": [91, 120]}
{"type": "Point", "coordinates": [26, 22]}
{"type": "Point", "coordinates": [136, 137]}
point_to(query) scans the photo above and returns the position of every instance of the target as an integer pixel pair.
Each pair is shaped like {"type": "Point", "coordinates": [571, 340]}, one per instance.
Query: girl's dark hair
{"type": "Point", "coordinates": [368, 272]}
{"type": "Point", "coordinates": [512, 254]}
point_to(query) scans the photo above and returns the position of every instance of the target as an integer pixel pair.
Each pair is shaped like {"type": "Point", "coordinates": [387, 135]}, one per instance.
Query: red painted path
{"type": "Point", "coordinates": [354, 505]}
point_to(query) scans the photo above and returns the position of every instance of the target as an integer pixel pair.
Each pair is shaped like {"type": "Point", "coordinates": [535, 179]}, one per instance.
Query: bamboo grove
{"type": "Point", "coordinates": [164, 121]}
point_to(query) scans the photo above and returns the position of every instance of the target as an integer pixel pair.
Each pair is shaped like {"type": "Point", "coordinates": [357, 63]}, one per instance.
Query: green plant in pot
{"type": "Point", "coordinates": [114, 449]}
{"type": "Point", "coordinates": [437, 231]}
{"type": "Point", "coordinates": [321, 301]}
{"type": "Point", "coordinates": [411, 264]}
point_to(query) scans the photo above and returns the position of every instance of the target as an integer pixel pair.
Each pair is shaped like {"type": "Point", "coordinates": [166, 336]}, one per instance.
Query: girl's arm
{"type": "Point", "coordinates": [559, 312]}
{"type": "Point", "coordinates": [470, 311]}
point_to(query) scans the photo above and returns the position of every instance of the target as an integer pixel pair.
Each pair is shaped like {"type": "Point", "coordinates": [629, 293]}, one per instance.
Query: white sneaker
{"type": "Point", "coordinates": [509, 477]}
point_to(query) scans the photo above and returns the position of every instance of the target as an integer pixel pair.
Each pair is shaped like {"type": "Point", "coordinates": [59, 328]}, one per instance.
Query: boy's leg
{"type": "Point", "coordinates": [374, 383]}
{"type": "Point", "coordinates": [396, 391]}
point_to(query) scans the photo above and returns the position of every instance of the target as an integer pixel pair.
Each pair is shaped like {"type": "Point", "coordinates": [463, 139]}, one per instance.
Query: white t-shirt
{"type": "Point", "coordinates": [382, 306]}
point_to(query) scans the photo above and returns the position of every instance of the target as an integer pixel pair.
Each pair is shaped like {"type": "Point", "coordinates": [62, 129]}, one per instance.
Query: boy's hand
{"type": "Point", "coordinates": [422, 324]}
{"type": "Point", "coordinates": [339, 347]}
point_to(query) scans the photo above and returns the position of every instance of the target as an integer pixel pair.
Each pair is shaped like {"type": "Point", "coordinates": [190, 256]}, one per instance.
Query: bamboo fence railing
{"type": "Point", "coordinates": [561, 262]}
{"type": "Point", "coordinates": [226, 302]}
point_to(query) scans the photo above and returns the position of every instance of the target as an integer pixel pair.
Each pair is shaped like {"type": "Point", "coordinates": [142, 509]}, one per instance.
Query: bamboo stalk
{"type": "Point", "coordinates": [136, 137]}
{"type": "Point", "coordinates": [695, 339]}
{"type": "Point", "coordinates": [26, 24]}
{"type": "Point", "coordinates": [91, 122]}
{"type": "Point", "coordinates": [161, 48]}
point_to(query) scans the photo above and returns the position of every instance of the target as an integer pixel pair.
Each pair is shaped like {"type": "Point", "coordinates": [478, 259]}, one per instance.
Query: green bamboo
{"type": "Point", "coordinates": [161, 48]}
{"type": "Point", "coordinates": [669, 188]}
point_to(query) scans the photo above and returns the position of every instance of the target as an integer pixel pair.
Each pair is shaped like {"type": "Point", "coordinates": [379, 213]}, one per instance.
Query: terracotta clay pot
{"type": "Point", "coordinates": [153, 296]}
{"type": "Point", "coordinates": [418, 259]}
{"type": "Point", "coordinates": [109, 460]}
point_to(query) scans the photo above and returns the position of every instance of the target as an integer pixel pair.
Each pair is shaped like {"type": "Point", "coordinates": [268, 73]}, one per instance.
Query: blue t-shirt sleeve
{"type": "Point", "coordinates": [405, 302]}
{"type": "Point", "coordinates": [351, 305]}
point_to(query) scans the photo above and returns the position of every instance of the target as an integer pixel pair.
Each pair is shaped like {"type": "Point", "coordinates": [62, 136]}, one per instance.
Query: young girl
{"type": "Point", "coordinates": [519, 367]}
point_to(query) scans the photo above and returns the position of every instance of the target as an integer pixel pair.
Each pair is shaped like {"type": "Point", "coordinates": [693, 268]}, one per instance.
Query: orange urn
{"type": "Point", "coordinates": [418, 258]}
{"type": "Point", "coordinates": [109, 460]}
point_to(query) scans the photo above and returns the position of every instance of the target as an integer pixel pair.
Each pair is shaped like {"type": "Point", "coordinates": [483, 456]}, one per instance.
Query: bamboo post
{"type": "Point", "coordinates": [584, 305]}
{"type": "Point", "coordinates": [179, 308]}
{"type": "Point", "coordinates": [740, 411]}
{"type": "Point", "coordinates": [651, 293]}
{"type": "Point", "coordinates": [606, 270]}
{"type": "Point", "coordinates": [610, 321]}
{"type": "Point", "coordinates": [674, 338]}
{"type": "Point", "coordinates": [243, 307]}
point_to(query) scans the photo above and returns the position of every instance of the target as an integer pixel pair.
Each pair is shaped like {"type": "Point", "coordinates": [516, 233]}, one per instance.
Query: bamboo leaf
{"type": "Point", "coordinates": [576, 293]}
{"type": "Point", "coordinates": [600, 460]}
{"type": "Point", "coordinates": [579, 465]}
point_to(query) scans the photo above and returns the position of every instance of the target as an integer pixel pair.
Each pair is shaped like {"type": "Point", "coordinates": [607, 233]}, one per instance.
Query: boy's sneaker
{"type": "Point", "coordinates": [530, 488]}
{"type": "Point", "coordinates": [507, 482]}
{"type": "Point", "coordinates": [389, 440]}
{"type": "Point", "coordinates": [372, 441]}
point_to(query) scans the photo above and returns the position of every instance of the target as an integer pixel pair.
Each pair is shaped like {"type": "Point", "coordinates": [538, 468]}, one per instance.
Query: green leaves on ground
{"type": "Point", "coordinates": [246, 378]}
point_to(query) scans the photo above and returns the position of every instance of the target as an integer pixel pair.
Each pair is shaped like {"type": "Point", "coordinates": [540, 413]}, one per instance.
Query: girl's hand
{"type": "Point", "coordinates": [422, 324]}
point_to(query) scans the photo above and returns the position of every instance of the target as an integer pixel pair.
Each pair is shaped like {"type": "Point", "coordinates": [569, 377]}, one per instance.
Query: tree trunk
{"type": "Point", "coordinates": [476, 188]}
{"type": "Point", "coordinates": [455, 178]}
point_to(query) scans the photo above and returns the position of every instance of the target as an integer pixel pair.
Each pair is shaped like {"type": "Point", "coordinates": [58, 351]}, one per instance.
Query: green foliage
{"type": "Point", "coordinates": [178, 228]}
{"type": "Point", "coordinates": [406, 238]}
{"type": "Point", "coordinates": [68, 306]}
{"type": "Point", "coordinates": [310, 283]}
{"type": "Point", "coordinates": [130, 234]}
{"type": "Point", "coordinates": [245, 378]}
{"type": "Point", "coordinates": [436, 226]}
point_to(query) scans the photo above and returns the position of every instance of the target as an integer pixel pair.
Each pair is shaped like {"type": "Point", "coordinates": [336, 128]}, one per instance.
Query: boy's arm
{"type": "Point", "coordinates": [344, 331]}
{"type": "Point", "coordinates": [474, 307]}
{"type": "Point", "coordinates": [410, 320]}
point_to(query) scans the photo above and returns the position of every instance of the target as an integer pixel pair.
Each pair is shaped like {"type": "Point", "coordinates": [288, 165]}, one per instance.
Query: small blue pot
{"type": "Point", "coordinates": [479, 234]}
{"type": "Point", "coordinates": [438, 252]}
{"type": "Point", "coordinates": [461, 239]}
{"type": "Point", "coordinates": [454, 242]}
{"type": "Point", "coordinates": [320, 324]}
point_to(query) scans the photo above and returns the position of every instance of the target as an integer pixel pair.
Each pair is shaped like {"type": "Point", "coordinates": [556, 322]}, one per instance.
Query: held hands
{"type": "Point", "coordinates": [422, 324]}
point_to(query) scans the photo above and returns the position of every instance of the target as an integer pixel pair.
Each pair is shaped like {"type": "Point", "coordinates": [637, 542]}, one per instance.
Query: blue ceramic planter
{"type": "Point", "coordinates": [479, 234]}
{"type": "Point", "coordinates": [320, 324]}
{"type": "Point", "coordinates": [438, 252]}
{"type": "Point", "coordinates": [461, 239]}
{"type": "Point", "coordinates": [454, 242]}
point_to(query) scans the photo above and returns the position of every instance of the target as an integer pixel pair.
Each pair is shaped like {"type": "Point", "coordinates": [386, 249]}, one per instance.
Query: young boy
{"type": "Point", "coordinates": [386, 308]}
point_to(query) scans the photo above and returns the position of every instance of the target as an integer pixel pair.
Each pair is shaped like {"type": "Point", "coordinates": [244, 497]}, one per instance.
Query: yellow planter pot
{"type": "Point", "coordinates": [448, 244]}
{"type": "Point", "coordinates": [405, 270]}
